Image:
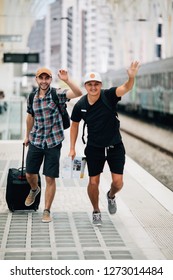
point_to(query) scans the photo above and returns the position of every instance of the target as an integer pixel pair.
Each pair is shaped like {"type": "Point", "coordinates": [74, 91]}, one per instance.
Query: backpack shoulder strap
{"type": "Point", "coordinates": [82, 103]}
{"type": "Point", "coordinates": [31, 98]}
{"type": "Point", "coordinates": [62, 107]}
{"type": "Point", "coordinates": [55, 96]}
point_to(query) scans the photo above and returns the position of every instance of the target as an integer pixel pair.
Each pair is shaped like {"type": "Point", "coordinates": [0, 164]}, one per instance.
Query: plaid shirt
{"type": "Point", "coordinates": [48, 128]}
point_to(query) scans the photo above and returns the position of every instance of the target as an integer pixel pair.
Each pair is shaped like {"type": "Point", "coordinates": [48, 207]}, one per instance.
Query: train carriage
{"type": "Point", "coordinates": [152, 93]}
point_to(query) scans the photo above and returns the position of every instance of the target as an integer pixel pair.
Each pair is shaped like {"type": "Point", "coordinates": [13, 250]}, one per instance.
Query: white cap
{"type": "Point", "coordinates": [92, 76]}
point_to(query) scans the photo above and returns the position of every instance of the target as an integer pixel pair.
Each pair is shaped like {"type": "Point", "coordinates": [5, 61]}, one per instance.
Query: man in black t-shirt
{"type": "Point", "coordinates": [104, 141]}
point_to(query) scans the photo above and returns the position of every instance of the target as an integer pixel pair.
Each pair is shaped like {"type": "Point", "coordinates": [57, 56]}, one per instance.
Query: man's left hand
{"type": "Point", "coordinates": [63, 75]}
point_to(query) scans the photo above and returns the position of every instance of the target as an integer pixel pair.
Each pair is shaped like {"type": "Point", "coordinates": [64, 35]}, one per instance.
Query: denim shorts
{"type": "Point", "coordinates": [96, 158]}
{"type": "Point", "coordinates": [50, 158]}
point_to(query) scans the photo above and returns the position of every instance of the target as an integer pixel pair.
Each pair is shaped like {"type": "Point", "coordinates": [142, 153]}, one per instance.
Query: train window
{"type": "Point", "coordinates": [165, 78]}
{"type": "Point", "coordinates": [154, 80]}
{"type": "Point", "coordinates": [164, 82]}
{"type": "Point", "coordinates": [170, 80]}
{"type": "Point", "coordinates": [149, 81]}
{"type": "Point", "coordinates": [144, 81]}
{"type": "Point", "coordinates": [145, 85]}
{"type": "Point", "coordinates": [160, 80]}
{"type": "Point", "coordinates": [157, 79]}
{"type": "Point", "coordinates": [138, 81]}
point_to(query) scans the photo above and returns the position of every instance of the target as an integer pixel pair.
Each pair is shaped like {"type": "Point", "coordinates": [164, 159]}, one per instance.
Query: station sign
{"type": "Point", "coordinates": [21, 57]}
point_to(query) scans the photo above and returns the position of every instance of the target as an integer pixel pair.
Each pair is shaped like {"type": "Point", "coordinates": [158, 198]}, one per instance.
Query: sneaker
{"type": "Point", "coordinates": [97, 220]}
{"type": "Point", "coordinates": [112, 206]}
{"type": "Point", "coordinates": [31, 196]}
{"type": "Point", "coordinates": [46, 216]}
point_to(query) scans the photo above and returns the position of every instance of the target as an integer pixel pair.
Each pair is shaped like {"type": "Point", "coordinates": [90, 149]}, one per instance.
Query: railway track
{"type": "Point", "coordinates": [148, 142]}
{"type": "Point", "coordinates": [150, 146]}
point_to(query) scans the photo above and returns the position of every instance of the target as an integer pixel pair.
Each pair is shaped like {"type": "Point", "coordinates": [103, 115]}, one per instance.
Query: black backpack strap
{"type": "Point", "coordinates": [62, 107]}
{"type": "Point", "coordinates": [84, 111]}
{"type": "Point", "coordinates": [55, 98]}
{"type": "Point", "coordinates": [83, 133]}
{"type": "Point", "coordinates": [31, 98]}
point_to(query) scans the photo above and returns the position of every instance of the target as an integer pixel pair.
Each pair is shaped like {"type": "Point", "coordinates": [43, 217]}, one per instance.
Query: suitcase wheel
{"type": "Point", "coordinates": [11, 209]}
{"type": "Point", "coordinates": [36, 208]}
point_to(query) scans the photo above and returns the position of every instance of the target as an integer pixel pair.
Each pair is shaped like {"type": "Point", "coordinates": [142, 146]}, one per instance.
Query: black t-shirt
{"type": "Point", "coordinates": [102, 124]}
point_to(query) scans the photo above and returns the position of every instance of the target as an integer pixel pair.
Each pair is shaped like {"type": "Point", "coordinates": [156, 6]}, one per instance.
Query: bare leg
{"type": "Point", "coordinates": [50, 191]}
{"type": "Point", "coordinates": [116, 185]}
{"type": "Point", "coordinates": [32, 180]}
{"type": "Point", "coordinates": [93, 192]}
{"type": "Point", "coordinates": [34, 191]}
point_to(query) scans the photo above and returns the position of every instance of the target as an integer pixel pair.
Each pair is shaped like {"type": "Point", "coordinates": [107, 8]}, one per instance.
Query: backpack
{"type": "Point", "coordinates": [84, 111]}
{"type": "Point", "coordinates": [62, 107]}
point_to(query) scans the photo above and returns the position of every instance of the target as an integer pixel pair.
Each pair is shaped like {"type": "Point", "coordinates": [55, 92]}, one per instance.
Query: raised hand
{"type": "Point", "coordinates": [133, 69]}
{"type": "Point", "coordinates": [63, 75]}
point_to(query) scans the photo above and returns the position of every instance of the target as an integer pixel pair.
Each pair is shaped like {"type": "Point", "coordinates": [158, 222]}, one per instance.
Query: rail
{"type": "Point", "coordinates": [148, 142]}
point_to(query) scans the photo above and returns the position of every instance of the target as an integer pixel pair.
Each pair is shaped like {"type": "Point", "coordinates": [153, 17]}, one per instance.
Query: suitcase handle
{"type": "Point", "coordinates": [23, 154]}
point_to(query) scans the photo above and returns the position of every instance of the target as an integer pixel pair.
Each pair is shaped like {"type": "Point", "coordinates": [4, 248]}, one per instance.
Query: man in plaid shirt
{"type": "Point", "coordinates": [44, 135]}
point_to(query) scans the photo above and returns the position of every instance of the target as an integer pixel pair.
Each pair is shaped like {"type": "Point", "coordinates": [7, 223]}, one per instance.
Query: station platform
{"type": "Point", "coordinates": [140, 230]}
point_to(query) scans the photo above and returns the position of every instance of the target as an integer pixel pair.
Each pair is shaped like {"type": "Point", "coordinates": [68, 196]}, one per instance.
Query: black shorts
{"type": "Point", "coordinates": [96, 158]}
{"type": "Point", "coordinates": [51, 156]}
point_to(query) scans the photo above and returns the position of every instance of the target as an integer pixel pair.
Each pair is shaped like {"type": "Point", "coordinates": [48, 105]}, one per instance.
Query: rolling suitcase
{"type": "Point", "coordinates": [18, 189]}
